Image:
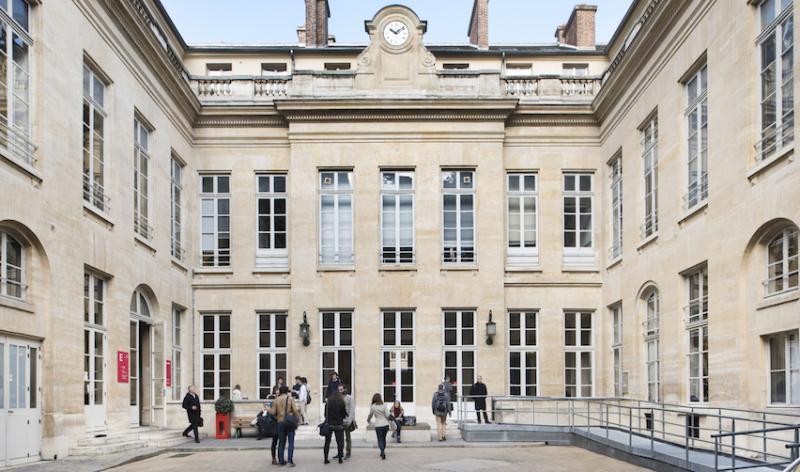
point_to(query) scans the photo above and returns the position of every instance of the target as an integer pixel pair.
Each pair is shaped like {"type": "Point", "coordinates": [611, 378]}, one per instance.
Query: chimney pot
{"type": "Point", "coordinates": [479, 24]}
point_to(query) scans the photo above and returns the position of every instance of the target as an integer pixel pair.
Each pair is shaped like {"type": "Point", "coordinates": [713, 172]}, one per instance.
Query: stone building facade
{"type": "Point", "coordinates": [566, 220]}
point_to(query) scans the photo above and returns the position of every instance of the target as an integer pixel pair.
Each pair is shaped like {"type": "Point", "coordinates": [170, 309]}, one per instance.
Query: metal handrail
{"type": "Point", "coordinates": [18, 143]}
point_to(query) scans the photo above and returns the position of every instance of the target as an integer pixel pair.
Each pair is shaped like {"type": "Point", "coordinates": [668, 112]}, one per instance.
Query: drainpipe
{"type": "Point", "coordinates": [291, 54]}
{"type": "Point", "coordinates": [194, 334]}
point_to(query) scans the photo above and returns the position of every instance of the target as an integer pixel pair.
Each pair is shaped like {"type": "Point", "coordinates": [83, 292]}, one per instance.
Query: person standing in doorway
{"type": "Point", "coordinates": [441, 408]}
{"type": "Point", "coordinates": [378, 411]}
{"type": "Point", "coordinates": [279, 382]}
{"type": "Point", "coordinates": [333, 385]}
{"type": "Point", "coordinates": [478, 393]}
{"type": "Point", "coordinates": [191, 403]}
{"type": "Point", "coordinates": [349, 420]}
{"type": "Point", "coordinates": [335, 414]}
{"type": "Point", "coordinates": [281, 407]}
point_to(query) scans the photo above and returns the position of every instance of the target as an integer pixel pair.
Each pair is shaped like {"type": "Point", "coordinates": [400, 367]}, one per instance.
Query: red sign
{"type": "Point", "coordinates": [122, 366]}
{"type": "Point", "coordinates": [169, 373]}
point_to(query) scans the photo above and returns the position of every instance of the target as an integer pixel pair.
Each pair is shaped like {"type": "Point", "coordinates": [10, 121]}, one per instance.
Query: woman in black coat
{"type": "Point", "coordinates": [335, 413]}
{"type": "Point", "coordinates": [191, 403]}
{"type": "Point", "coordinates": [333, 385]}
{"type": "Point", "coordinates": [479, 392]}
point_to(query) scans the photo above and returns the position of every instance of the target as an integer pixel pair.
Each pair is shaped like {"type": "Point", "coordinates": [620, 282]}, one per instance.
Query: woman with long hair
{"type": "Point", "coordinates": [378, 411]}
{"type": "Point", "coordinates": [398, 416]}
{"type": "Point", "coordinates": [335, 413]}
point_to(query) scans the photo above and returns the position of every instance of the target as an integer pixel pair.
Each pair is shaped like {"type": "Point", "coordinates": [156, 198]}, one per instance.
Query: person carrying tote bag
{"type": "Point", "coordinates": [383, 421]}
{"type": "Point", "coordinates": [285, 411]}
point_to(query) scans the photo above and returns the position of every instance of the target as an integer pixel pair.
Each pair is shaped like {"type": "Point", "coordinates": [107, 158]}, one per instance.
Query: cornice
{"type": "Point", "coordinates": [552, 120]}
{"type": "Point", "coordinates": [239, 121]}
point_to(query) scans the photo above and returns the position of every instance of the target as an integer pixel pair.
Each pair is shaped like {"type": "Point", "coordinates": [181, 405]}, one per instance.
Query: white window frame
{"type": "Point", "coordinates": [273, 351]}
{"type": "Point", "coordinates": [337, 329]}
{"type": "Point", "coordinates": [216, 351]}
{"type": "Point", "coordinates": [17, 143]}
{"type": "Point", "coordinates": [615, 174]}
{"type": "Point", "coordinates": [578, 349]}
{"type": "Point", "coordinates": [649, 131]}
{"type": "Point", "coordinates": [696, 115]}
{"type": "Point", "coordinates": [177, 352]}
{"type": "Point", "coordinates": [94, 302]}
{"type": "Point", "coordinates": [460, 347]}
{"type": "Point", "coordinates": [790, 369]}
{"type": "Point", "coordinates": [336, 348]}
{"type": "Point", "coordinates": [523, 349]}
{"type": "Point", "coordinates": [217, 257]}
{"type": "Point", "coordinates": [5, 281]}
{"type": "Point", "coordinates": [787, 237]}
{"type": "Point", "coordinates": [94, 192]}
{"type": "Point", "coordinates": [394, 192]}
{"type": "Point", "coordinates": [272, 257]}
{"type": "Point", "coordinates": [698, 355]}
{"type": "Point", "coordinates": [454, 252]}
{"type": "Point", "coordinates": [399, 350]}
{"type": "Point", "coordinates": [651, 332]}
{"type": "Point", "coordinates": [774, 138]}
{"type": "Point", "coordinates": [343, 250]}
{"type": "Point", "coordinates": [577, 255]}
{"type": "Point", "coordinates": [142, 174]}
{"type": "Point", "coordinates": [617, 359]}
{"type": "Point", "coordinates": [527, 254]}
{"type": "Point", "coordinates": [176, 209]}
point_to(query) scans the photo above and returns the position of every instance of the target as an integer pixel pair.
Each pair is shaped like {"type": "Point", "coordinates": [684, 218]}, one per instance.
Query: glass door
{"type": "Point", "coordinates": [133, 372]}
{"type": "Point", "coordinates": [94, 385]}
{"type": "Point", "coordinates": [19, 395]}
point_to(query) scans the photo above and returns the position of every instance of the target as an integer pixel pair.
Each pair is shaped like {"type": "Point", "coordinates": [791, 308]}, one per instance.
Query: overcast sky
{"type": "Point", "coordinates": [276, 21]}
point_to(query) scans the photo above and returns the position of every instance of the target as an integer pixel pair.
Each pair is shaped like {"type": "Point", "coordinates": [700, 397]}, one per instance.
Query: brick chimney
{"type": "Point", "coordinates": [560, 33]}
{"type": "Point", "coordinates": [580, 29]}
{"type": "Point", "coordinates": [479, 24]}
{"type": "Point", "coordinates": [316, 30]}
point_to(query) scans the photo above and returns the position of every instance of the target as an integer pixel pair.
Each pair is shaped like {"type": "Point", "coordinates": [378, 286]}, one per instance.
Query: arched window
{"type": "Point", "coordinates": [651, 340]}
{"type": "Point", "coordinates": [782, 262]}
{"type": "Point", "coordinates": [12, 267]}
{"type": "Point", "coordinates": [140, 306]}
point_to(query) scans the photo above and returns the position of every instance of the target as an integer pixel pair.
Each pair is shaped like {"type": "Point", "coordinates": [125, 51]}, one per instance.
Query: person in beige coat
{"type": "Point", "coordinates": [280, 407]}
{"type": "Point", "coordinates": [383, 420]}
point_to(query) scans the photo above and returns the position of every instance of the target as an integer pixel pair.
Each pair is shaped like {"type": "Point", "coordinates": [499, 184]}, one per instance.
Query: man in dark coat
{"type": "Point", "coordinates": [191, 403]}
{"type": "Point", "coordinates": [479, 393]}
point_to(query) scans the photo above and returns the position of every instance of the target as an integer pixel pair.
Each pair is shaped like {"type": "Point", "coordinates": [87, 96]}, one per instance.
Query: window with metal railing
{"type": "Point", "coordinates": [651, 342]}
{"type": "Point", "coordinates": [15, 93]}
{"type": "Point", "coordinates": [697, 145]}
{"type": "Point", "coordinates": [94, 117]}
{"type": "Point", "coordinates": [615, 173]}
{"type": "Point", "coordinates": [649, 155]}
{"type": "Point", "coordinates": [176, 209]}
{"type": "Point", "coordinates": [141, 180]}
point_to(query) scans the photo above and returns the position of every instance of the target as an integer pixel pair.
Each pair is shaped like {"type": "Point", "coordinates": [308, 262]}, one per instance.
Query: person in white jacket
{"type": "Point", "coordinates": [302, 397]}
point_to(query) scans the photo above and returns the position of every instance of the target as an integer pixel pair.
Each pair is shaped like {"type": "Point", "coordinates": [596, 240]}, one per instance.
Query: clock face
{"type": "Point", "coordinates": [396, 33]}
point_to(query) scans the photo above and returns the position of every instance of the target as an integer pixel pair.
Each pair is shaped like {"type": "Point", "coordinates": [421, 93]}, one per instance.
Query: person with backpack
{"type": "Point", "coordinates": [441, 408]}
{"type": "Point", "coordinates": [349, 421]}
{"type": "Point", "coordinates": [383, 421]}
{"type": "Point", "coordinates": [285, 411]}
{"type": "Point", "coordinates": [335, 414]}
{"type": "Point", "coordinates": [451, 391]}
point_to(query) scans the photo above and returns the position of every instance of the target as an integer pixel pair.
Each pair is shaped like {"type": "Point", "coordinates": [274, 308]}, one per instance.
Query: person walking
{"type": "Point", "coordinates": [398, 416]}
{"type": "Point", "coordinates": [349, 421]}
{"type": "Point", "coordinates": [191, 403]}
{"type": "Point", "coordinates": [333, 385]}
{"type": "Point", "coordinates": [441, 408]}
{"type": "Point", "coordinates": [383, 420]}
{"type": "Point", "coordinates": [478, 393]}
{"type": "Point", "coordinates": [335, 414]}
{"type": "Point", "coordinates": [449, 389]}
{"type": "Point", "coordinates": [281, 408]}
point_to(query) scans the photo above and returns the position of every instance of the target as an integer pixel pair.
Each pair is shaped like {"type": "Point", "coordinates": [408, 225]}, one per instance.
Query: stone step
{"type": "Point", "coordinates": [103, 449]}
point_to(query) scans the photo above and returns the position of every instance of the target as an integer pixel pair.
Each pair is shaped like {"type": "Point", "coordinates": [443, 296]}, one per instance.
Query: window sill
{"type": "Point", "coordinates": [15, 304]}
{"type": "Point", "coordinates": [695, 210]}
{"type": "Point", "coordinates": [213, 270]}
{"type": "Point", "coordinates": [333, 268]}
{"type": "Point", "coordinates": [780, 155]}
{"type": "Point", "coordinates": [647, 241]}
{"type": "Point", "coordinates": [460, 268]}
{"type": "Point", "coordinates": [779, 299]}
{"type": "Point", "coordinates": [614, 262]}
{"type": "Point", "coordinates": [98, 213]}
{"type": "Point", "coordinates": [397, 268]}
{"type": "Point", "coordinates": [524, 269]}
{"type": "Point", "coordinates": [270, 270]}
{"type": "Point", "coordinates": [23, 166]}
{"type": "Point", "coordinates": [179, 264]}
{"type": "Point", "coordinates": [144, 242]}
{"type": "Point", "coordinates": [587, 269]}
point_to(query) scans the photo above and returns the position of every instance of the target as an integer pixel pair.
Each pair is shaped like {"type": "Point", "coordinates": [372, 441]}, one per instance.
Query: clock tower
{"type": "Point", "coordinates": [396, 62]}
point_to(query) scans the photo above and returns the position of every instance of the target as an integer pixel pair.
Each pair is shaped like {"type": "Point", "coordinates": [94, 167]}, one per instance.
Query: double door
{"type": "Point", "coordinates": [20, 401]}
{"type": "Point", "coordinates": [94, 379]}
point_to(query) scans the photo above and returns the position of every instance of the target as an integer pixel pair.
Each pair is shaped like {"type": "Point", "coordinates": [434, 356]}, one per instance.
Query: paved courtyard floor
{"type": "Point", "coordinates": [427, 459]}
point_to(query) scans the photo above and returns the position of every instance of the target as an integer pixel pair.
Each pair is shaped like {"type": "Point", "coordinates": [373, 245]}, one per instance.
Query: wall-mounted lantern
{"type": "Point", "coordinates": [304, 332]}
{"type": "Point", "coordinates": [491, 330]}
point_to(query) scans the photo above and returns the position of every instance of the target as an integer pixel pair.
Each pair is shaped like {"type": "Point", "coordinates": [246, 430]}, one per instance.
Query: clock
{"type": "Point", "coordinates": [396, 33]}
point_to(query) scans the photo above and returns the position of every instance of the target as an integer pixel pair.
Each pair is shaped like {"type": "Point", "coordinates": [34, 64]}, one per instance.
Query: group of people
{"type": "Point", "coordinates": [285, 409]}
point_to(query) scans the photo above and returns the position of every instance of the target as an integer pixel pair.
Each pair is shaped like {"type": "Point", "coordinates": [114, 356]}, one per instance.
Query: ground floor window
{"type": "Point", "coordinates": [522, 373]}
{"type": "Point", "coordinates": [271, 365]}
{"type": "Point", "coordinates": [216, 356]}
{"type": "Point", "coordinates": [398, 376]}
{"type": "Point", "coordinates": [459, 366]}
{"type": "Point", "coordinates": [578, 374]}
{"type": "Point", "coordinates": [698, 364]}
{"type": "Point", "coordinates": [652, 368]}
{"type": "Point", "coordinates": [784, 369]}
{"type": "Point", "coordinates": [339, 360]}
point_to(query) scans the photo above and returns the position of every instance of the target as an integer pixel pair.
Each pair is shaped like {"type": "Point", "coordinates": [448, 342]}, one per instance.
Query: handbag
{"type": "Point", "coordinates": [290, 421]}
{"type": "Point", "coordinates": [200, 423]}
{"type": "Point", "coordinates": [324, 428]}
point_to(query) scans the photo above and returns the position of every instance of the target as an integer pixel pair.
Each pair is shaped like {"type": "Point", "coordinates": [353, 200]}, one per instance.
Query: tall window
{"type": "Point", "coordinates": [782, 262]}
{"type": "Point", "coordinates": [94, 117]}
{"type": "Point", "coordinates": [337, 349]}
{"type": "Point", "coordinates": [176, 215]}
{"type": "Point", "coordinates": [697, 328]}
{"type": "Point", "coordinates": [615, 172]}
{"type": "Point", "coordinates": [650, 158]}
{"type": "Point", "coordinates": [177, 353]}
{"type": "Point", "coordinates": [697, 128]}
{"type": "Point", "coordinates": [523, 199]}
{"type": "Point", "coordinates": [651, 341]}
{"type": "Point", "coordinates": [776, 46]}
{"type": "Point", "coordinates": [336, 217]}
{"type": "Point", "coordinates": [141, 180]}
{"type": "Point", "coordinates": [578, 220]}
{"type": "Point", "coordinates": [272, 351]}
{"type": "Point", "coordinates": [616, 349]}
{"type": "Point", "coordinates": [397, 217]}
{"type": "Point", "coordinates": [216, 354]}
{"type": "Point", "coordinates": [12, 267]}
{"type": "Point", "coordinates": [784, 369]}
{"type": "Point", "coordinates": [458, 233]}
{"type": "Point", "coordinates": [272, 226]}
{"type": "Point", "coordinates": [215, 203]}
{"type": "Point", "coordinates": [523, 353]}
{"type": "Point", "coordinates": [15, 41]}
{"type": "Point", "coordinates": [398, 356]}
{"type": "Point", "coordinates": [578, 354]}
{"type": "Point", "coordinates": [94, 337]}
{"type": "Point", "coordinates": [459, 349]}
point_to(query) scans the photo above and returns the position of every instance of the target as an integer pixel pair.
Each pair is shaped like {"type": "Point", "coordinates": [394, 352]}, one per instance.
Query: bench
{"type": "Point", "coordinates": [240, 422]}
{"type": "Point", "coordinates": [419, 433]}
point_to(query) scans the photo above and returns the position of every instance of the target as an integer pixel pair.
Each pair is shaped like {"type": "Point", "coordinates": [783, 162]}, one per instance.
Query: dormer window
{"type": "Point", "coordinates": [576, 70]}
{"type": "Point", "coordinates": [334, 66]}
{"type": "Point", "coordinates": [455, 66]}
{"type": "Point", "coordinates": [273, 68]}
{"type": "Point", "coordinates": [519, 68]}
{"type": "Point", "coordinates": [218, 69]}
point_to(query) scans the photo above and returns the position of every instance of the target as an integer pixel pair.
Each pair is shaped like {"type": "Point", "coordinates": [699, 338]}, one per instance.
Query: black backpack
{"type": "Point", "coordinates": [442, 402]}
